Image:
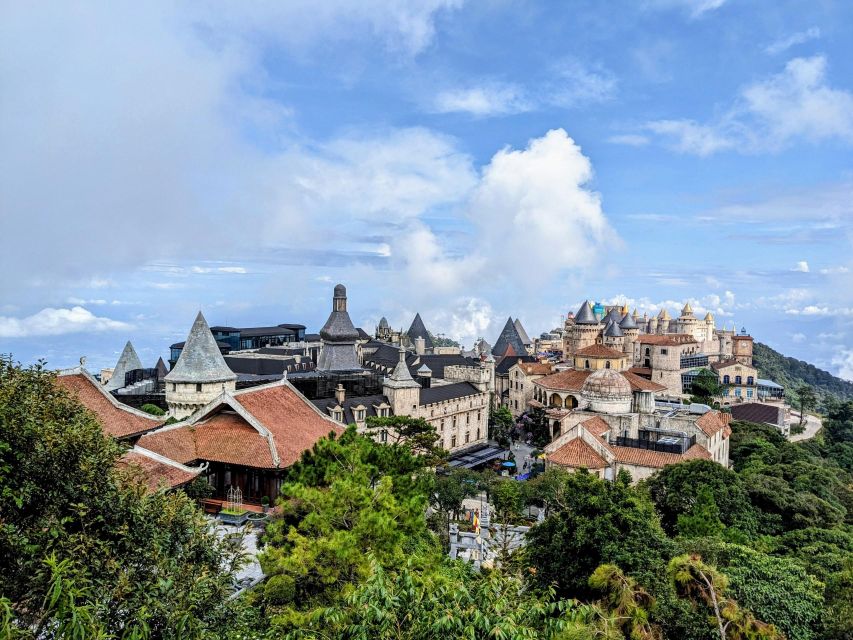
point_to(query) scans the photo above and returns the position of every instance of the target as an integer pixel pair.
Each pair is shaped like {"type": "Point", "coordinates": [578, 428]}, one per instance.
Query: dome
{"type": "Point", "coordinates": [340, 291]}
{"type": "Point", "coordinates": [383, 323]}
{"type": "Point", "coordinates": [608, 391]}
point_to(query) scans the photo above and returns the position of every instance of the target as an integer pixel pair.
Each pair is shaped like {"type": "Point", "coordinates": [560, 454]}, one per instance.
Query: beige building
{"type": "Point", "coordinates": [522, 375]}
{"type": "Point", "coordinates": [739, 381]}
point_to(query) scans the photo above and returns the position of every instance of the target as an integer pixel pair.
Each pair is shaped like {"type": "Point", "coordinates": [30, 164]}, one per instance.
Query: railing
{"type": "Point", "coordinates": [663, 447]}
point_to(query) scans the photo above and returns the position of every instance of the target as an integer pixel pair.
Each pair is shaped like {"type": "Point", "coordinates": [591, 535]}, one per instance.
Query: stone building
{"type": "Point", "coordinates": [522, 375]}
{"type": "Point", "coordinates": [738, 380]}
{"type": "Point", "coordinates": [200, 373]}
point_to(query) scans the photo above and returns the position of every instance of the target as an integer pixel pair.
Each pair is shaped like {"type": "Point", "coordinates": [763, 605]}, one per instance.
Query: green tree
{"type": "Point", "coordinates": [447, 493]}
{"type": "Point", "coordinates": [703, 520]}
{"type": "Point", "coordinates": [807, 399]}
{"type": "Point", "coordinates": [81, 542]}
{"type": "Point", "coordinates": [705, 386]}
{"type": "Point", "coordinates": [415, 434]}
{"type": "Point", "coordinates": [627, 603]}
{"type": "Point", "coordinates": [596, 522]}
{"type": "Point", "coordinates": [502, 425]}
{"type": "Point", "coordinates": [153, 409]}
{"type": "Point", "coordinates": [704, 585]}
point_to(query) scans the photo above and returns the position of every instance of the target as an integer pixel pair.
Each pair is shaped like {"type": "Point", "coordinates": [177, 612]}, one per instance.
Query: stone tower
{"type": "Point", "coordinates": [338, 337]}
{"type": "Point", "coordinates": [742, 345]}
{"type": "Point", "coordinates": [402, 391]}
{"type": "Point", "coordinates": [689, 324]}
{"type": "Point", "coordinates": [199, 375]}
{"type": "Point", "coordinates": [127, 362]}
{"type": "Point", "coordinates": [613, 336]}
{"type": "Point", "coordinates": [631, 331]}
{"type": "Point", "coordinates": [586, 329]}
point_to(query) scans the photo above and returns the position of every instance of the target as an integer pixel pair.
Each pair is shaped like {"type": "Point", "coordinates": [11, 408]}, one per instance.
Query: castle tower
{"type": "Point", "coordinates": [689, 324]}
{"type": "Point", "coordinates": [199, 375]}
{"type": "Point", "coordinates": [613, 337]}
{"type": "Point", "coordinates": [509, 340]}
{"type": "Point", "coordinates": [338, 336]}
{"type": "Point", "coordinates": [631, 330]}
{"type": "Point", "coordinates": [127, 362]}
{"type": "Point", "coordinates": [653, 325]}
{"type": "Point", "coordinates": [710, 327]}
{"type": "Point", "coordinates": [742, 345]}
{"type": "Point", "coordinates": [664, 321]}
{"type": "Point", "coordinates": [383, 330]}
{"type": "Point", "coordinates": [567, 332]}
{"type": "Point", "coordinates": [585, 331]}
{"type": "Point", "coordinates": [403, 391]}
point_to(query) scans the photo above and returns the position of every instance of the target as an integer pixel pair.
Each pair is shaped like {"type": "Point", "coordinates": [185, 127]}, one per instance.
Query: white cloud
{"type": "Point", "coordinates": [798, 337]}
{"type": "Point", "coordinates": [487, 100]}
{"type": "Point", "coordinates": [629, 139]}
{"type": "Point", "coordinates": [197, 269]}
{"type": "Point", "coordinates": [795, 105]}
{"type": "Point", "coordinates": [694, 8]}
{"type": "Point", "coordinates": [54, 322]}
{"type": "Point", "coordinates": [843, 362]}
{"type": "Point", "coordinates": [578, 83]}
{"type": "Point", "coordinates": [834, 270]}
{"type": "Point", "coordinates": [783, 44]}
{"type": "Point", "coordinates": [802, 267]}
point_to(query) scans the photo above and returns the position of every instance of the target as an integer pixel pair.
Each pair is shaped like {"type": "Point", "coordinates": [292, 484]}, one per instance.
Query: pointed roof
{"type": "Point", "coordinates": [663, 315]}
{"type": "Point", "coordinates": [585, 314]}
{"type": "Point", "coordinates": [709, 317]}
{"type": "Point", "coordinates": [200, 359]}
{"type": "Point", "coordinates": [401, 377]}
{"type": "Point", "coordinates": [628, 322]}
{"type": "Point", "coordinates": [509, 338]}
{"type": "Point", "coordinates": [613, 330]}
{"type": "Point", "coordinates": [424, 369]}
{"type": "Point", "coordinates": [127, 362]}
{"type": "Point", "coordinates": [339, 327]}
{"type": "Point", "coordinates": [521, 332]}
{"type": "Point", "coordinates": [419, 330]}
{"type": "Point", "coordinates": [636, 314]}
{"type": "Point", "coordinates": [383, 323]}
{"type": "Point", "coordinates": [614, 315]}
{"type": "Point", "coordinates": [161, 369]}
{"type": "Point", "coordinates": [687, 309]}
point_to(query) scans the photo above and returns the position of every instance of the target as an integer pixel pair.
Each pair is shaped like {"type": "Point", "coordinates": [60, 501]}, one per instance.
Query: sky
{"type": "Point", "coordinates": [467, 160]}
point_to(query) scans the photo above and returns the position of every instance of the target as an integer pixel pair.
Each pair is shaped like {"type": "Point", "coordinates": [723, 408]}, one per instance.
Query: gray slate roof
{"type": "Point", "coordinates": [200, 359]}
{"type": "Point", "coordinates": [613, 330]}
{"type": "Point", "coordinates": [368, 402]}
{"type": "Point", "coordinates": [585, 314]}
{"type": "Point", "coordinates": [127, 362]}
{"type": "Point", "coordinates": [509, 338]}
{"type": "Point", "coordinates": [401, 377]}
{"type": "Point", "coordinates": [628, 322]}
{"type": "Point", "coordinates": [521, 332]}
{"type": "Point", "coordinates": [440, 393]}
{"type": "Point", "coordinates": [418, 330]}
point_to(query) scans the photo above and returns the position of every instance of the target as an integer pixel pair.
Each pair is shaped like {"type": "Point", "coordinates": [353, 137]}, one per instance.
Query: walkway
{"type": "Point", "coordinates": [812, 425]}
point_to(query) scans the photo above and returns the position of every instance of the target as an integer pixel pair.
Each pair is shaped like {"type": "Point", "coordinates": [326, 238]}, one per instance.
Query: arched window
{"type": "Point", "coordinates": [738, 380]}
{"type": "Point", "coordinates": [607, 364]}
{"type": "Point", "coordinates": [586, 364]}
{"type": "Point", "coordinates": [750, 380]}
{"type": "Point", "coordinates": [726, 379]}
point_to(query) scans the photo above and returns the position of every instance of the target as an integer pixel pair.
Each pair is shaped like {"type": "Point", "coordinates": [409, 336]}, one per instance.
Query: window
{"type": "Point", "coordinates": [648, 351]}
{"type": "Point", "coordinates": [738, 380]}
{"type": "Point", "coordinates": [467, 437]}
{"type": "Point", "coordinates": [737, 392]}
{"type": "Point", "coordinates": [725, 393]}
{"type": "Point", "coordinates": [198, 387]}
{"type": "Point", "coordinates": [174, 387]}
{"type": "Point", "coordinates": [607, 364]}
{"type": "Point", "coordinates": [478, 433]}
{"type": "Point", "coordinates": [750, 380]}
{"type": "Point", "coordinates": [453, 441]}
{"type": "Point", "coordinates": [383, 436]}
{"type": "Point", "coordinates": [749, 393]}
{"type": "Point", "coordinates": [467, 418]}
{"type": "Point", "coordinates": [586, 364]}
{"type": "Point", "coordinates": [663, 352]}
{"type": "Point", "coordinates": [726, 379]}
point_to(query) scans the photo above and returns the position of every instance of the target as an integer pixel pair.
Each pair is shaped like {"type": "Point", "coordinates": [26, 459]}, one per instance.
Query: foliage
{"type": "Point", "coordinates": [415, 434]}
{"type": "Point", "coordinates": [81, 541]}
{"type": "Point", "coordinates": [807, 399]}
{"type": "Point", "coordinates": [628, 603]}
{"type": "Point", "coordinates": [596, 522]}
{"type": "Point", "coordinates": [703, 519]}
{"type": "Point", "coordinates": [198, 489]}
{"type": "Point", "coordinates": [153, 409]}
{"type": "Point", "coordinates": [676, 489]}
{"type": "Point", "coordinates": [447, 493]}
{"type": "Point", "coordinates": [533, 426]}
{"type": "Point", "coordinates": [706, 385]}
{"type": "Point", "coordinates": [791, 373]}
{"type": "Point", "coordinates": [502, 425]}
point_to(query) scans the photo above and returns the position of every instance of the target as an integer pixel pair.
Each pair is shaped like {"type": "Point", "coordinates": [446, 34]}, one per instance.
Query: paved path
{"type": "Point", "coordinates": [812, 425]}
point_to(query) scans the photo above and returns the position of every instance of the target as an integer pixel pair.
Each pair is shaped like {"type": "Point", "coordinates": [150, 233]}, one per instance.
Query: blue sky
{"type": "Point", "coordinates": [468, 160]}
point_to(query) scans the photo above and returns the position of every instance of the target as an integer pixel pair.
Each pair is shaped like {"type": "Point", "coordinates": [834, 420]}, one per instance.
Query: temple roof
{"type": "Point", "coordinates": [509, 338]}
{"type": "Point", "coordinates": [419, 330]}
{"type": "Point", "coordinates": [127, 362]}
{"type": "Point", "coordinates": [200, 359]}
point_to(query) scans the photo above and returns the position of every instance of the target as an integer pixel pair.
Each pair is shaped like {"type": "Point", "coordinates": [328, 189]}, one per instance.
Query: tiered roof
{"type": "Point", "coordinates": [158, 472]}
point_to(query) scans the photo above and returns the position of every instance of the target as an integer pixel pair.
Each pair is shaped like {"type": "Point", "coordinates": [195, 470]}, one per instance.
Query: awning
{"type": "Point", "coordinates": [470, 458]}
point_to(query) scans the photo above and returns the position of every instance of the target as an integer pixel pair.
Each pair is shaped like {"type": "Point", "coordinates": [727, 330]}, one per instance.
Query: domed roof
{"type": "Point", "coordinates": [607, 384]}
{"type": "Point", "coordinates": [383, 322]}
{"type": "Point", "coordinates": [340, 291]}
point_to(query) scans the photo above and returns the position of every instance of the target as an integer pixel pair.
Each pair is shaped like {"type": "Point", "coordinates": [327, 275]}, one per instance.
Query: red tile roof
{"type": "Point", "coordinates": [156, 473]}
{"type": "Point", "coordinates": [222, 434]}
{"type": "Point", "coordinates": [568, 380]}
{"type": "Point", "coordinates": [596, 425]}
{"type": "Point", "coordinates": [117, 420]}
{"type": "Point", "coordinates": [657, 459]}
{"type": "Point", "coordinates": [711, 422]}
{"type": "Point", "coordinates": [536, 368]}
{"type": "Point", "coordinates": [599, 351]}
{"type": "Point", "coordinates": [576, 453]}
{"type": "Point", "coordinates": [667, 339]}
{"type": "Point", "coordinates": [639, 383]}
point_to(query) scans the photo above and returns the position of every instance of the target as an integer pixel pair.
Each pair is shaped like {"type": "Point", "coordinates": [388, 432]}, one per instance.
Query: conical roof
{"type": "Point", "coordinates": [613, 331]}
{"type": "Point", "coordinates": [200, 359]}
{"type": "Point", "coordinates": [709, 317]}
{"type": "Point", "coordinates": [127, 362]}
{"type": "Point", "coordinates": [636, 314]}
{"type": "Point", "coordinates": [401, 377]}
{"type": "Point", "coordinates": [509, 338]}
{"type": "Point", "coordinates": [419, 330]}
{"type": "Point", "coordinates": [585, 314]}
{"type": "Point", "coordinates": [161, 369]}
{"type": "Point", "coordinates": [628, 322]}
{"type": "Point", "coordinates": [687, 309]}
{"type": "Point", "coordinates": [664, 314]}
{"type": "Point", "coordinates": [614, 315]}
{"type": "Point", "coordinates": [339, 327]}
{"type": "Point", "coordinates": [521, 332]}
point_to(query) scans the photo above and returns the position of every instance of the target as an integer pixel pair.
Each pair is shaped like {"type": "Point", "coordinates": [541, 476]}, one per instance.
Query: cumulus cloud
{"type": "Point", "coordinates": [802, 266]}
{"type": "Point", "coordinates": [54, 322]}
{"type": "Point", "coordinates": [797, 104]}
{"type": "Point", "coordinates": [783, 44]}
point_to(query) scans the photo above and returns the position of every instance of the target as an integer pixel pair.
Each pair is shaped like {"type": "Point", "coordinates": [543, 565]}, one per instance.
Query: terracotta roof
{"type": "Point", "coordinates": [536, 368]}
{"type": "Point", "coordinates": [657, 459]}
{"type": "Point", "coordinates": [117, 420]}
{"type": "Point", "coordinates": [596, 425]}
{"type": "Point", "coordinates": [155, 472]}
{"type": "Point", "coordinates": [670, 339]}
{"type": "Point", "coordinates": [639, 383]}
{"type": "Point", "coordinates": [710, 423]}
{"type": "Point", "coordinates": [641, 371]}
{"type": "Point", "coordinates": [176, 443]}
{"type": "Point", "coordinates": [577, 453]}
{"type": "Point", "coordinates": [599, 351]}
{"type": "Point", "coordinates": [568, 380]}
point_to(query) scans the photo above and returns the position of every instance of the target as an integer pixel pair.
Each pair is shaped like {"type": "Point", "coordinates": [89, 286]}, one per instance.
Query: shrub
{"type": "Point", "coordinates": [153, 409]}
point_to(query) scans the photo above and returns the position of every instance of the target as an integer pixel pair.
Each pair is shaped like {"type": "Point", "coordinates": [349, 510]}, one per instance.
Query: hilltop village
{"type": "Point", "coordinates": [242, 404]}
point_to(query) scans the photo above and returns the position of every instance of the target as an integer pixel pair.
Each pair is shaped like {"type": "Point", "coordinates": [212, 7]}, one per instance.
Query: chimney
{"type": "Point", "coordinates": [340, 394]}
{"type": "Point", "coordinates": [420, 345]}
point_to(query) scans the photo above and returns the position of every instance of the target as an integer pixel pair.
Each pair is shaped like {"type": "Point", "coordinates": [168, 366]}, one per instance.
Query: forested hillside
{"type": "Point", "coordinates": [791, 373]}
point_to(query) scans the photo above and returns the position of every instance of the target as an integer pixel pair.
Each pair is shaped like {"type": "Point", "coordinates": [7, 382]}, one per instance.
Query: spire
{"type": "Point", "coordinates": [509, 338]}
{"type": "Point", "coordinates": [628, 322]}
{"type": "Point", "coordinates": [687, 310]}
{"type": "Point", "coordinates": [161, 369]}
{"type": "Point", "coordinates": [709, 318]}
{"type": "Point", "coordinates": [200, 359]}
{"type": "Point", "coordinates": [519, 328]}
{"type": "Point", "coordinates": [419, 330]}
{"type": "Point", "coordinates": [127, 362]}
{"type": "Point", "coordinates": [338, 336]}
{"type": "Point", "coordinates": [585, 314]}
{"type": "Point", "coordinates": [401, 377]}
{"type": "Point", "coordinates": [663, 315]}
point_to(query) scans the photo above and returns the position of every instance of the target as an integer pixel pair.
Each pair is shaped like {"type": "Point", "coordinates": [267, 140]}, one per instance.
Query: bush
{"type": "Point", "coordinates": [280, 589]}
{"type": "Point", "coordinates": [153, 409]}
